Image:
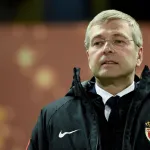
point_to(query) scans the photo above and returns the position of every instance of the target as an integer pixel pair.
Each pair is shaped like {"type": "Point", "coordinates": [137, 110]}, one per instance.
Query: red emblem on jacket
{"type": "Point", "coordinates": [147, 130]}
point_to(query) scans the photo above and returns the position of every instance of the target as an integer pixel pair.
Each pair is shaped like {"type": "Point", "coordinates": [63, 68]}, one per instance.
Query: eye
{"type": "Point", "coordinates": [119, 41]}
{"type": "Point", "coordinates": [98, 43]}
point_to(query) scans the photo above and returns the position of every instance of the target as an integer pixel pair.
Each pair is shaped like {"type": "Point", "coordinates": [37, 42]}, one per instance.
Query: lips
{"type": "Point", "coordinates": [109, 62]}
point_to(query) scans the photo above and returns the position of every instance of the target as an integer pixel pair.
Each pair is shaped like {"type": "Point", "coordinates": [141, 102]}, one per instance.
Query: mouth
{"type": "Point", "coordinates": [110, 62]}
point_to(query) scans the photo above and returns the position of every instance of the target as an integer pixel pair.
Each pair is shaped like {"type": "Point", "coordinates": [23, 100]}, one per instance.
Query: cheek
{"type": "Point", "coordinates": [129, 58]}
{"type": "Point", "coordinates": [94, 57]}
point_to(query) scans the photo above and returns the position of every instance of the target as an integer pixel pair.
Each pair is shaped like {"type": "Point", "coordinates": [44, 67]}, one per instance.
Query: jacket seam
{"type": "Point", "coordinates": [58, 110]}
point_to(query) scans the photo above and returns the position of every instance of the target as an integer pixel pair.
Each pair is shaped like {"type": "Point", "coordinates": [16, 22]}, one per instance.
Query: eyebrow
{"type": "Point", "coordinates": [97, 36]}
{"type": "Point", "coordinates": [120, 35]}
{"type": "Point", "coordinates": [114, 35]}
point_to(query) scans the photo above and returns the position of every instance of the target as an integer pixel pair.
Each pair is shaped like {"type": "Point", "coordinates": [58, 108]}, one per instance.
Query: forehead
{"type": "Point", "coordinates": [110, 28]}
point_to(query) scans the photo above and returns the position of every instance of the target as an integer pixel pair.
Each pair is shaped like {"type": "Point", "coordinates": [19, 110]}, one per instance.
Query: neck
{"type": "Point", "coordinates": [114, 86]}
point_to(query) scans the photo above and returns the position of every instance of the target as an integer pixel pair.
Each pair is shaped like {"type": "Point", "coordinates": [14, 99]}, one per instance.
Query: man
{"type": "Point", "coordinates": [112, 110]}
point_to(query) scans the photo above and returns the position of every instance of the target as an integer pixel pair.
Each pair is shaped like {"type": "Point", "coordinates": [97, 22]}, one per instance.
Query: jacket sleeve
{"type": "Point", "coordinates": [39, 140]}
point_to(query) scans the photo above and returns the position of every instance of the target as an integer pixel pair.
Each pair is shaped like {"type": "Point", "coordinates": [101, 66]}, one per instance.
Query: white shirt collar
{"type": "Point", "coordinates": [106, 95]}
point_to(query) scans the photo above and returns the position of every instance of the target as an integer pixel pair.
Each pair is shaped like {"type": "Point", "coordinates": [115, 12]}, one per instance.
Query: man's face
{"type": "Point", "coordinates": [112, 52]}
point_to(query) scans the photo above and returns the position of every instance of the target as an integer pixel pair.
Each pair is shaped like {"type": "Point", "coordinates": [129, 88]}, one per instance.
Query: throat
{"type": "Point", "coordinates": [114, 87]}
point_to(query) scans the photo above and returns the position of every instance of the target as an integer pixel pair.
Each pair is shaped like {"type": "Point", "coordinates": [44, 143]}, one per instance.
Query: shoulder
{"type": "Point", "coordinates": [57, 106]}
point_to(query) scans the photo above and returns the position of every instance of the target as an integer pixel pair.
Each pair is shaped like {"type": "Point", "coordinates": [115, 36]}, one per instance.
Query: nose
{"type": "Point", "coordinates": [108, 48]}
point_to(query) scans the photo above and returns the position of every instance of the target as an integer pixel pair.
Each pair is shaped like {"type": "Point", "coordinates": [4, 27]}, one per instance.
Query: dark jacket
{"type": "Point", "coordinates": [71, 122]}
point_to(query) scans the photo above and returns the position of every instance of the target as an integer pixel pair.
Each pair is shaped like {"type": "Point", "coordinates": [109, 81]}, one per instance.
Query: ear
{"type": "Point", "coordinates": [87, 53]}
{"type": "Point", "coordinates": [139, 57]}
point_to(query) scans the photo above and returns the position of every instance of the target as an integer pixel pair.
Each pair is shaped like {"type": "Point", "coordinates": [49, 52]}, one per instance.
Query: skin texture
{"type": "Point", "coordinates": [124, 59]}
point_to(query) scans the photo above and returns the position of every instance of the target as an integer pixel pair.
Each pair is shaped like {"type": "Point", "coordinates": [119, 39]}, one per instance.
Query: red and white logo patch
{"type": "Point", "coordinates": [147, 132]}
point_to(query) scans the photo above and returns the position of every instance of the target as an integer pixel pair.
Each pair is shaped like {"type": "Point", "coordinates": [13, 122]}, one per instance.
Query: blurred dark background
{"type": "Point", "coordinates": [67, 10]}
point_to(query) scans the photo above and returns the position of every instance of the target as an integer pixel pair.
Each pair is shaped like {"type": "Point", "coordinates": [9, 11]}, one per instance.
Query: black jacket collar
{"type": "Point", "coordinates": [80, 89]}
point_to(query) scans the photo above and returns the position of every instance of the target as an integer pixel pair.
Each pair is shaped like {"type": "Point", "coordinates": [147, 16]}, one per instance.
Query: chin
{"type": "Point", "coordinates": [108, 75]}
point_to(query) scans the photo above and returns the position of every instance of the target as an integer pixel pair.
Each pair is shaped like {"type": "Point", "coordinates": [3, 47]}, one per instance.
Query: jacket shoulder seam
{"type": "Point", "coordinates": [58, 110]}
